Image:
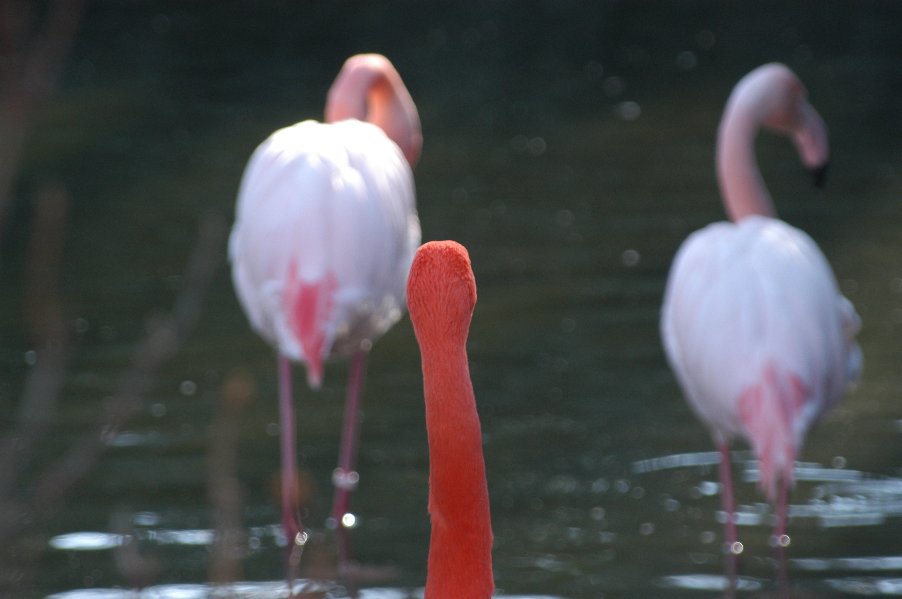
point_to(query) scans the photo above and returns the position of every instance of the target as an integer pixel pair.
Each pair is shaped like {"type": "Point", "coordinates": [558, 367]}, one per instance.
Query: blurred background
{"type": "Point", "coordinates": [569, 145]}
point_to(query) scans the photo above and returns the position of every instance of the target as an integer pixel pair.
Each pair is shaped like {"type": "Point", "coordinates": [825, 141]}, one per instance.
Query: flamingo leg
{"type": "Point", "coordinates": [780, 540]}
{"type": "Point", "coordinates": [726, 494]}
{"type": "Point", "coordinates": [782, 512]}
{"type": "Point", "coordinates": [728, 503]}
{"type": "Point", "coordinates": [344, 477]}
{"type": "Point", "coordinates": [291, 513]}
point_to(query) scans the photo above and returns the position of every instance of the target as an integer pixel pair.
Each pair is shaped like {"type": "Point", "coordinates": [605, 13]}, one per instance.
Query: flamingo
{"type": "Point", "coordinates": [325, 231]}
{"type": "Point", "coordinates": [753, 324]}
{"type": "Point", "coordinates": [441, 295]}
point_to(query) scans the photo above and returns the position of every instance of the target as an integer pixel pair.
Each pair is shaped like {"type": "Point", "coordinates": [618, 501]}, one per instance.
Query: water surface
{"type": "Point", "coordinates": [570, 147]}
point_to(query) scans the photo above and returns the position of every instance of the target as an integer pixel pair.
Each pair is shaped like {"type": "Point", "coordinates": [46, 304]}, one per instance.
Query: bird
{"type": "Point", "coordinates": [441, 296]}
{"type": "Point", "coordinates": [753, 324]}
{"type": "Point", "coordinates": [325, 230]}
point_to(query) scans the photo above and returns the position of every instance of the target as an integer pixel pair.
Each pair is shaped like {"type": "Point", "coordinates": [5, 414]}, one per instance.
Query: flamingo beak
{"type": "Point", "coordinates": [819, 174]}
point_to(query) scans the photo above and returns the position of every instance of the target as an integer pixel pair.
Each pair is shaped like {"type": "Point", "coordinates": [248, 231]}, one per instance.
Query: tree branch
{"type": "Point", "coordinates": [161, 343]}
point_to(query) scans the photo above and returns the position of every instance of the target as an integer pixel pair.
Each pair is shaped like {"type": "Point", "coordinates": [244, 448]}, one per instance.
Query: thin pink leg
{"type": "Point", "coordinates": [729, 508]}
{"type": "Point", "coordinates": [782, 510]}
{"type": "Point", "coordinates": [291, 513]}
{"type": "Point", "coordinates": [726, 494]}
{"type": "Point", "coordinates": [344, 477]}
{"type": "Point", "coordinates": [781, 539]}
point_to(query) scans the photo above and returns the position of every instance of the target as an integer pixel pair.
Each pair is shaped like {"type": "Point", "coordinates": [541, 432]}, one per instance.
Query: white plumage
{"type": "Point", "coordinates": [743, 296]}
{"type": "Point", "coordinates": [325, 202]}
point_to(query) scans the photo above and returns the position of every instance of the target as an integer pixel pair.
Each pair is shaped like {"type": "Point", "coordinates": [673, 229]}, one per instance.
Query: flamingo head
{"type": "Point", "coordinates": [788, 111]}
{"type": "Point", "coordinates": [441, 291]}
{"type": "Point", "coordinates": [368, 88]}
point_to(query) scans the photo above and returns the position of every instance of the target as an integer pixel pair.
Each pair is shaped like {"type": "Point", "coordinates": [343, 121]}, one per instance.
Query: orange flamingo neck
{"type": "Point", "coordinates": [441, 296]}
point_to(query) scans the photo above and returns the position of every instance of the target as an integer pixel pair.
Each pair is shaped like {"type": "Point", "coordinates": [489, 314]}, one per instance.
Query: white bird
{"type": "Point", "coordinates": [325, 231]}
{"type": "Point", "coordinates": [753, 324]}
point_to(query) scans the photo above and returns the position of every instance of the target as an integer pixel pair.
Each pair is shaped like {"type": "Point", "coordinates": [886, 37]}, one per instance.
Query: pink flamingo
{"type": "Point", "coordinates": [325, 231]}
{"type": "Point", "coordinates": [441, 295]}
{"type": "Point", "coordinates": [753, 323]}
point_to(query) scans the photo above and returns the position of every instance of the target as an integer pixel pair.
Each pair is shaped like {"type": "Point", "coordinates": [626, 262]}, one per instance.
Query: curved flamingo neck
{"type": "Point", "coordinates": [770, 96]}
{"type": "Point", "coordinates": [460, 560]}
{"type": "Point", "coordinates": [741, 185]}
{"type": "Point", "coordinates": [368, 88]}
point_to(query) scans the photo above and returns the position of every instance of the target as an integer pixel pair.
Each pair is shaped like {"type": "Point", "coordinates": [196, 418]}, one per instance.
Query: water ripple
{"type": "Point", "coordinates": [707, 582]}
{"type": "Point", "coordinates": [98, 541]}
{"type": "Point", "coordinates": [866, 586]}
{"type": "Point", "coordinates": [840, 497]}
{"type": "Point", "coordinates": [679, 460]}
{"type": "Point", "coordinates": [875, 563]}
{"type": "Point", "coordinates": [251, 590]}
{"type": "Point", "coordinates": [242, 590]}
{"type": "Point", "coordinates": [86, 541]}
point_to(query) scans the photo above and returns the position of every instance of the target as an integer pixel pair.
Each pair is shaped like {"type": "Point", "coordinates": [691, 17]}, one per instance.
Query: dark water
{"type": "Point", "coordinates": [569, 146]}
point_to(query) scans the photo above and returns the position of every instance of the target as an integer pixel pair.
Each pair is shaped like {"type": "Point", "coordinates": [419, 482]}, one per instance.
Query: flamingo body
{"type": "Point", "coordinates": [325, 231]}
{"type": "Point", "coordinates": [759, 336]}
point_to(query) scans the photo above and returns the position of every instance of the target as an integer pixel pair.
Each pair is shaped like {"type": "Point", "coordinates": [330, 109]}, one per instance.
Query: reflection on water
{"type": "Point", "coordinates": [867, 586]}
{"type": "Point", "coordinates": [707, 582]}
{"type": "Point", "coordinates": [844, 497]}
{"type": "Point", "coordinates": [151, 539]}
{"type": "Point", "coordinates": [256, 590]}
{"type": "Point", "coordinates": [252, 590]}
{"type": "Point", "coordinates": [829, 497]}
{"type": "Point", "coordinates": [90, 541]}
{"type": "Point", "coordinates": [836, 497]}
{"type": "Point", "coordinates": [86, 541]}
{"type": "Point", "coordinates": [891, 562]}
{"type": "Point", "coordinates": [249, 590]}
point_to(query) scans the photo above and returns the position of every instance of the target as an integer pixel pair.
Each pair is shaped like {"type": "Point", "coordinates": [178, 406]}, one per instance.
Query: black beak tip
{"type": "Point", "coordinates": [819, 175]}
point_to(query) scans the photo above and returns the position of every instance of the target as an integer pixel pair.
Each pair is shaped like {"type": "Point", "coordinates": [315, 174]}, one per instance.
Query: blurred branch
{"type": "Point", "coordinates": [138, 569]}
{"type": "Point", "coordinates": [162, 342]}
{"type": "Point", "coordinates": [43, 314]}
{"type": "Point", "coordinates": [14, 15]}
{"type": "Point", "coordinates": [225, 491]}
{"type": "Point", "coordinates": [31, 58]}
{"type": "Point", "coordinates": [165, 335]}
{"type": "Point", "coordinates": [43, 307]}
